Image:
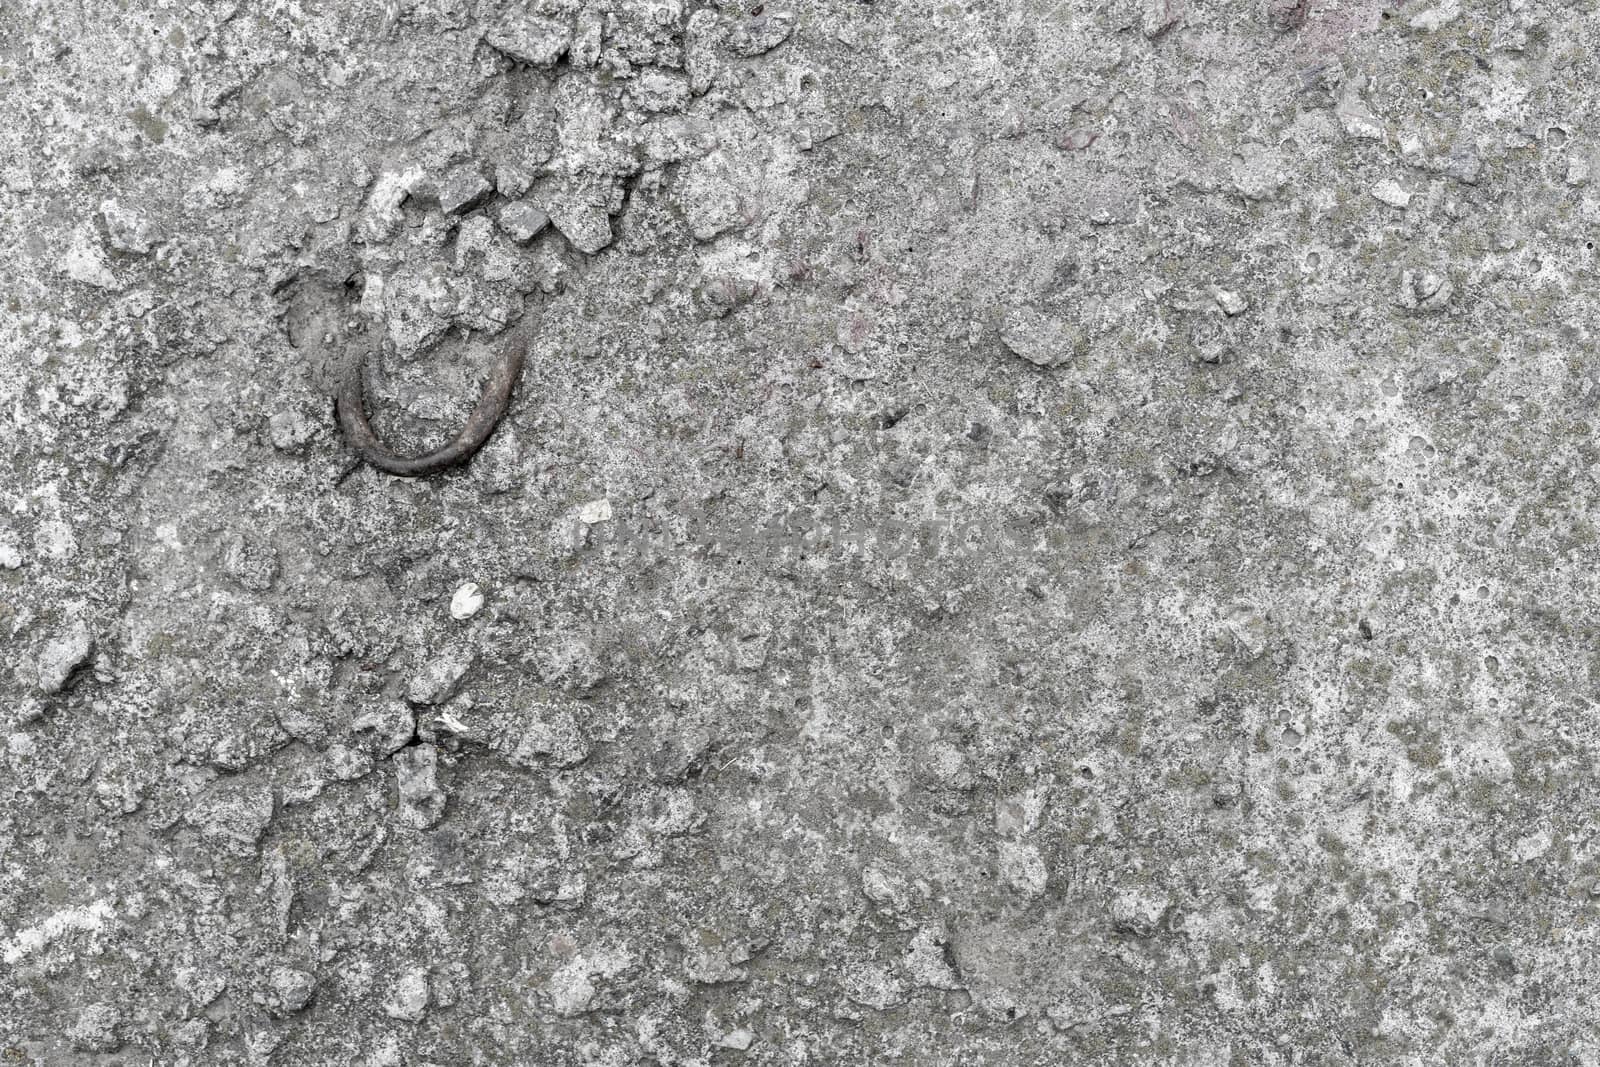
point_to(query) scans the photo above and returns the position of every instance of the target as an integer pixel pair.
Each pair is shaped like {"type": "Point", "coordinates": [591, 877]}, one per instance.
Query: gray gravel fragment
{"type": "Point", "coordinates": [587, 39]}
{"type": "Point", "coordinates": [127, 229]}
{"type": "Point", "coordinates": [927, 962]}
{"type": "Point", "coordinates": [463, 189]}
{"type": "Point", "coordinates": [548, 735]}
{"type": "Point", "coordinates": [1392, 193]}
{"type": "Point", "coordinates": [1424, 290]}
{"type": "Point", "coordinates": [421, 800]}
{"type": "Point", "coordinates": [408, 999]}
{"type": "Point", "coordinates": [384, 730]}
{"type": "Point", "coordinates": [702, 41]}
{"type": "Point", "coordinates": [62, 657]}
{"type": "Point", "coordinates": [658, 91]}
{"type": "Point", "coordinates": [1042, 341]}
{"type": "Point", "coordinates": [200, 984]}
{"type": "Point", "coordinates": [95, 1029]}
{"type": "Point", "coordinates": [233, 816]}
{"type": "Point", "coordinates": [1232, 303]}
{"type": "Point", "coordinates": [441, 677]}
{"type": "Point", "coordinates": [761, 33]}
{"type": "Point", "coordinates": [346, 764]}
{"type": "Point", "coordinates": [290, 430]}
{"type": "Point", "coordinates": [288, 990]}
{"type": "Point", "coordinates": [532, 39]}
{"type": "Point", "coordinates": [85, 260]}
{"type": "Point", "coordinates": [708, 194]}
{"type": "Point", "coordinates": [522, 221]}
{"type": "Point", "coordinates": [587, 225]}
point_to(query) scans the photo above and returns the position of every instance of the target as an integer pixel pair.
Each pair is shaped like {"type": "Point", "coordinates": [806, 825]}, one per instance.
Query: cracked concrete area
{"type": "Point", "coordinates": [1030, 532]}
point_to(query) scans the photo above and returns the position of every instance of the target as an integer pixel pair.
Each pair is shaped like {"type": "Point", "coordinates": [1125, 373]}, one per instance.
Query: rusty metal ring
{"type": "Point", "coordinates": [350, 407]}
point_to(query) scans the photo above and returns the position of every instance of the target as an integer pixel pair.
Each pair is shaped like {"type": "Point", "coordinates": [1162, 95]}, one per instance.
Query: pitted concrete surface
{"type": "Point", "coordinates": [1030, 533]}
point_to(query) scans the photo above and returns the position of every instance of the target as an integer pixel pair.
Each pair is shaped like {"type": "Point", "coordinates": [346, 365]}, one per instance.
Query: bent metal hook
{"type": "Point", "coordinates": [350, 406]}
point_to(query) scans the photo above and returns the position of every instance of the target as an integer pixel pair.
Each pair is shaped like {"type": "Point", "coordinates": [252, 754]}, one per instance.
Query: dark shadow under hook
{"type": "Point", "coordinates": [350, 406]}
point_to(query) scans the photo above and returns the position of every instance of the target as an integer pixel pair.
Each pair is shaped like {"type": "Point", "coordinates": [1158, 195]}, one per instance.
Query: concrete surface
{"type": "Point", "coordinates": [1032, 533]}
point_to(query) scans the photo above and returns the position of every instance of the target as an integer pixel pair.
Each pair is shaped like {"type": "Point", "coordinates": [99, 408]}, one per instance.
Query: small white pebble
{"type": "Point", "coordinates": [10, 558]}
{"type": "Point", "coordinates": [1391, 193]}
{"type": "Point", "coordinates": [1230, 302]}
{"type": "Point", "coordinates": [466, 601]}
{"type": "Point", "coordinates": [739, 1040]}
{"type": "Point", "coordinates": [595, 511]}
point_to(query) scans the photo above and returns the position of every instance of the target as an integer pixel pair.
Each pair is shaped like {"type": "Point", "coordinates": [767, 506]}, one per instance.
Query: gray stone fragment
{"type": "Point", "coordinates": [927, 961]}
{"type": "Point", "coordinates": [1465, 165]}
{"type": "Point", "coordinates": [532, 39]}
{"type": "Point", "coordinates": [587, 39]}
{"type": "Point", "coordinates": [580, 208]}
{"type": "Point", "coordinates": [1258, 171]}
{"type": "Point", "coordinates": [1022, 868]}
{"type": "Point", "coordinates": [288, 991]}
{"type": "Point", "coordinates": [346, 764]}
{"type": "Point", "coordinates": [95, 1029]}
{"type": "Point", "coordinates": [440, 678]}
{"type": "Point", "coordinates": [408, 999]}
{"type": "Point", "coordinates": [55, 540]}
{"type": "Point", "coordinates": [548, 735]}
{"type": "Point", "coordinates": [201, 985]}
{"type": "Point", "coordinates": [233, 816]}
{"type": "Point", "coordinates": [382, 217]}
{"type": "Point", "coordinates": [1392, 193]}
{"type": "Point", "coordinates": [522, 221]}
{"type": "Point", "coordinates": [1578, 170]}
{"type": "Point", "coordinates": [534, 139]}
{"type": "Point", "coordinates": [62, 657]}
{"type": "Point", "coordinates": [659, 91]}
{"type": "Point", "coordinates": [290, 430]}
{"type": "Point", "coordinates": [708, 196]}
{"type": "Point", "coordinates": [128, 230]}
{"type": "Point", "coordinates": [1424, 290]}
{"type": "Point", "coordinates": [512, 179]}
{"type": "Point", "coordinates": [1138, 911]}
{"type": "Point", "coordinates": [1044, 342]}
{"type": "Point", "coordinates": [1157, 17]}
{"type": "Point", "coordinates": [384, 730]}
{"type": "Point", "coordinates": [1354, 115]}
{"type": "Point", "coordinates": [463, 189]}
{"type": "Point", "coordinates": [587, 226]}
{"type": "Point", "coordinates": [192, 1035]}
{"type": "Point", "coordinates": [1286, 16]}
{"type": "Point", "coordinates": [1233, 304]}
{"type": "Point", "coordinates": [416, 782]}
{"type": "Point", "coordinates": [85, 260]}
{"type": "Point", "coordinates": [700, 58]}
{"type": "Point", "coordinates": [738, 1040]}
{"type": "Point", "coordinates": [762, 33]}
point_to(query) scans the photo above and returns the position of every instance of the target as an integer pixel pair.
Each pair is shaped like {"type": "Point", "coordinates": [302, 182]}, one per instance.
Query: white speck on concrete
{"type": "Point", "coordinates": [1392, 193]}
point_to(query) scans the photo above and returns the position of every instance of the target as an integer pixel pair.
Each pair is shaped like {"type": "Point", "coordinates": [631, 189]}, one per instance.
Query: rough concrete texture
{"type": "Point", "coordinates": [1031, 533]}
